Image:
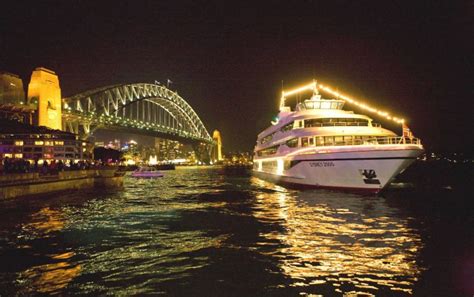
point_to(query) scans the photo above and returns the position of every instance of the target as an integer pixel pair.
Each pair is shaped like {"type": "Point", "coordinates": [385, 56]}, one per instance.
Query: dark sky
{"type": "Point", "coordinates": [227, 59]}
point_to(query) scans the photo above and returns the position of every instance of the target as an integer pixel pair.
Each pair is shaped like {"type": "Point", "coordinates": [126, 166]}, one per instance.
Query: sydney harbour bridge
{"type": "Point", "coordinates": [143, 108]}
{"type": "Point", "coordinates": [140, 108]}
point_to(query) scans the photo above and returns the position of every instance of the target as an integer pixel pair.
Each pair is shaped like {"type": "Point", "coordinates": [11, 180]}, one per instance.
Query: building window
{"type": "Point", "coordinates": [39, 142]}
{"type": "Point", "coordinates": [19, 142]}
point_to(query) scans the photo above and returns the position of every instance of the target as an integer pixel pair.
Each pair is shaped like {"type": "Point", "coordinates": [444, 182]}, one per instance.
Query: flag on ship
{"type": "Point", "coordinates": [406, 131]}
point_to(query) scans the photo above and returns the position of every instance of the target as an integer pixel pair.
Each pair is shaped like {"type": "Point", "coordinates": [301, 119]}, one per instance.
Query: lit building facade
{"type": "Point", "coordinates": [43, 141]}
{"type": "Point", "coordinates": [169, 149]}
{"type": "Point", "coordinates": [31, 143]}
{"type": "Point", "coordinates": [11, 89]}
{"type": "Point", "coordinates": [12, 99]}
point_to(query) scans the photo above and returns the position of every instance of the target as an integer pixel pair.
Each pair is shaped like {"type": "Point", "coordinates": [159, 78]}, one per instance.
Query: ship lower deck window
{"type": "Point", "coordinates": [338, 140]}
{"type": "Point", "coordinates": [292, 142]}
{"type": "Point", "coordinates": [269, 165]}
{"type": "Point", "coordinates": [319, 141]}
{"type": "Point", "coordinates": [267, 138]}
{"type": "Point", "coordinates": [268, 151]}
{"type": "Point", "coordinates": [304, 141]}
{"type": "Point", "coordinates": [287, 127]}
{"type": "Point", "coordinates": [328, 140]}
{"type": "Point", "coordinates": [353, 140]}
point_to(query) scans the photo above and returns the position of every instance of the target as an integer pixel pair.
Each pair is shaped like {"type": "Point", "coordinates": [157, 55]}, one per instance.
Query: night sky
{"type": "Point", "coordinates": [228, 60]}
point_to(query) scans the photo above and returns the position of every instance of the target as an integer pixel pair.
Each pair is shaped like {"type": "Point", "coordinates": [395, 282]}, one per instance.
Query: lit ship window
{"type": "Point", "coordinates": [331, 122]}
{"type": "Point", "coordinates": [292, 142]}
{"type": "Point", "coordinates": [268, 151]}
{"type": "Point", "coordinates": [287, 127]}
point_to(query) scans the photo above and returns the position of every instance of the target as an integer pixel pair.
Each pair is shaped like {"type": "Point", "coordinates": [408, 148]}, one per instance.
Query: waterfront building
{"type": "Point", "coordinates": [33, 143]}
{"type": "Point", "coordinates": [238, 158]}
{"type": "Point", "coordinates": [167, 150]}
{"type": "Point", "coordinates": [11, 89]}
{"type": "Point", "coordinates": [12, 99]}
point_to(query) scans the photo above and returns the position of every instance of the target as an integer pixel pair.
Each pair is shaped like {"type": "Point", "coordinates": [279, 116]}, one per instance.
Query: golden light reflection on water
{"type": "Point", "coordinates": [45, 221]}
{"type": "Point", "coordinates": [51, 277]}
{"type": "Point", "coordinates": [342, 239]}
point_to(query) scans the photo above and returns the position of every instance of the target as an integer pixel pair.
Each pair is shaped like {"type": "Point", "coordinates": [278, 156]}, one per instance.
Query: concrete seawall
{"type": "Point", "coordinates": [30, 184]}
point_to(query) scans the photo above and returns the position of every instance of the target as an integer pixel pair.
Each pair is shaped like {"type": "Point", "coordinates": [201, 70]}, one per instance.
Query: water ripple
{"type": "Point", "coordinates": [200, 230]}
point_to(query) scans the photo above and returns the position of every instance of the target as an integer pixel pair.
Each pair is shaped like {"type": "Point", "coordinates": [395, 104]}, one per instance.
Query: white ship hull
{"type": "Point", "coordinates": [365, 169]}
{"type": "Point", "coordinates": [318, 144]}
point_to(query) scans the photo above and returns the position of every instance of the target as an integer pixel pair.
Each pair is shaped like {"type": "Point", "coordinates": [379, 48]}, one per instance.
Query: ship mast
{"type": "Point", "coordinates": [312, 86]}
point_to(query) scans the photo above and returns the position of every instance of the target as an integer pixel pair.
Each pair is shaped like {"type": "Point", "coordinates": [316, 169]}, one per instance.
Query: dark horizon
{"type": "Point", "coordinates": [229, 61]}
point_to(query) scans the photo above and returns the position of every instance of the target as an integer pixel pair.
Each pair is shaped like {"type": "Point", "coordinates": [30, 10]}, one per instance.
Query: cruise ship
{"type": "Point", "coordinates": [318, 144]}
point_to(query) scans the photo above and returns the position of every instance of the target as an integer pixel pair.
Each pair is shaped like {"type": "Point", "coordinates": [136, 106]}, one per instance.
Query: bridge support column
{"type": "Point", "coordinates": [216, 151]}
{"type": "Point", "coordinates": [44, 91]}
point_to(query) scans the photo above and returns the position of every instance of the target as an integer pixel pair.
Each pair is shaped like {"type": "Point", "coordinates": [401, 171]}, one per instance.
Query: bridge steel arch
{"type": "Point", "coordinates": [144, 108]}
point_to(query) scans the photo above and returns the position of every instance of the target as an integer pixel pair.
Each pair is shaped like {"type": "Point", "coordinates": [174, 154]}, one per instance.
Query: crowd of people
{"type": "Point", "coordinates": [8, 165]}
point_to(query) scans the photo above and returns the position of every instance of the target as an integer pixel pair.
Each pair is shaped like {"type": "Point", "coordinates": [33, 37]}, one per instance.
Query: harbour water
{"type": "Point", "coordinates": [202, 232]}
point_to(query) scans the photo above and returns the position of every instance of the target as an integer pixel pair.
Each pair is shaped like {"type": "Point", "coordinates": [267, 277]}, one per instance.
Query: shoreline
{"type": "Point", "coordinates": [13, 186]}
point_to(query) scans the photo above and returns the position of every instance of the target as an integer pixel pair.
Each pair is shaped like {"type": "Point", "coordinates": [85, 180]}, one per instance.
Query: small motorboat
{"type": "Point", "coordinates": [147, 172]}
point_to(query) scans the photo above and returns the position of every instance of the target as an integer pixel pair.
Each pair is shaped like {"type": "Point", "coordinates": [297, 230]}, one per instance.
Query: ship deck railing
{"type": "Point", "coordinates": [323, 141]}
{"type": "Point", "coordinates": [363, 140]}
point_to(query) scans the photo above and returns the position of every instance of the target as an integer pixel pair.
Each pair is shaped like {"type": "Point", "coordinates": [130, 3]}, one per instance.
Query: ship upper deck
{"type": "Point", "coordinates": [317, 103]}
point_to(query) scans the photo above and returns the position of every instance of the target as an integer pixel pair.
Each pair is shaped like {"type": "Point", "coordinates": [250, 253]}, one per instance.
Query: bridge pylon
{"type": "Point", "coordinates": [217, 149]}
{"type": "Point", "coordinates": [45, 93]}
